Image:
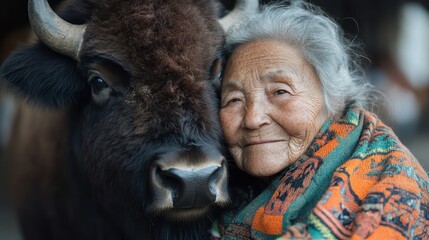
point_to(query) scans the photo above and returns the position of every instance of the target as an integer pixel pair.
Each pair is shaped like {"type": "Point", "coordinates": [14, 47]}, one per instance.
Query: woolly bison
{"type": "Point", "coordinates": [133, 149]}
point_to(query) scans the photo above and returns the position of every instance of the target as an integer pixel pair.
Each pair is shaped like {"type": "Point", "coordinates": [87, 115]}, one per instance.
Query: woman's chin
{"type": "Point", "coordinates": [264, 170]}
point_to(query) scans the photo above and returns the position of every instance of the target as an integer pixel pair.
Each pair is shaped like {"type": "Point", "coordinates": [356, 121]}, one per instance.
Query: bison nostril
{"type": "Point", "coordinates": [170, 180]}
{"type": "Point", "coordinates": [191, 187]}
{"type": "Point", "coordinates": [214, 178]}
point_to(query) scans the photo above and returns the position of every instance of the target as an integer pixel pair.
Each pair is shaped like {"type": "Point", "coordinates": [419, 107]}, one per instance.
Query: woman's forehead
{"type": "Point", "coordinates": [266, 55]}
{"type": "Point", "coordinates": [265, 60]}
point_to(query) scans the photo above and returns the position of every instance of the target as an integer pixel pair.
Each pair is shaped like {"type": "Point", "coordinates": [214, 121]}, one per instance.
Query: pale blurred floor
{"type": "Point", "coordinates": [8, 225]}
{"type": "Point", "coordinates": [9, 229]}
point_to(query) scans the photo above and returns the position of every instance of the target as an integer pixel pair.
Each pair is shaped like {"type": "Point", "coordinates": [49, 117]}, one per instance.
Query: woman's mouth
{"type": "Point", "coordinates": [252, 143]}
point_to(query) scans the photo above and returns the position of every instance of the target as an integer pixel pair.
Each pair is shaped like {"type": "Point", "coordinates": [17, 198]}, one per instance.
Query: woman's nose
{"type": "Point", "coordinates": [256, 115]}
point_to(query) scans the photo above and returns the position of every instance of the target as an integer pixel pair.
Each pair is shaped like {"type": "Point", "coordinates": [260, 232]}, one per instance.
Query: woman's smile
{"type": "Point", "coordinates": [253, 143]}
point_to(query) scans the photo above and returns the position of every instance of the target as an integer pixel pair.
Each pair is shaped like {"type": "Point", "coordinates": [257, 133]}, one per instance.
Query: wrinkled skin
{"type": "Point", "coordinates": [272, 106]}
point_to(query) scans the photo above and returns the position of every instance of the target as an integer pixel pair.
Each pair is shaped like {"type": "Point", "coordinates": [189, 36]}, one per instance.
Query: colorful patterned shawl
{"type": "Point", "coordinates": [355, 181]}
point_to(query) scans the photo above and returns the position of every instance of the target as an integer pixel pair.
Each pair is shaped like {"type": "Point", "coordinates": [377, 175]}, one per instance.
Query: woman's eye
{"type": "Point", "coordinates": [280, 92]}
{"type": "Point", "coordinates": [98, 84]}
{"type": "Point", "coordinates": [232, 101]}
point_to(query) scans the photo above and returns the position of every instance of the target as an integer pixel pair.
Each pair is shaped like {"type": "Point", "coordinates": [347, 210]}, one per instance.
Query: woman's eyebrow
{"type": "Point", "coordinates": [273, 75]}
{"type": "Point", "coordinates": [230, 86]}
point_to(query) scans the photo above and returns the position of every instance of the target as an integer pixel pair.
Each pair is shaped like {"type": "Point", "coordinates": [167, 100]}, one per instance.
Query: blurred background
{"type": "Point", "coordinates": [393, 34]}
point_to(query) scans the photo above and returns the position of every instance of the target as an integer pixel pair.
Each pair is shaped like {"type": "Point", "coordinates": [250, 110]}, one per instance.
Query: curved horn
{"type": "Point", "coordinates": [241, 9]}
{"type": "Point", "coordinates": [57, 34]}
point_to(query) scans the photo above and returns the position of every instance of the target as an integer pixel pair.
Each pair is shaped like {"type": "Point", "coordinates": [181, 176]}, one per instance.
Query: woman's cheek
{"type": "Point", "coordinates": [227, 122]}
{"type": "Point", "coordinates": [292, 117]}
{"type": "Point", "coordinates": [237, 155]}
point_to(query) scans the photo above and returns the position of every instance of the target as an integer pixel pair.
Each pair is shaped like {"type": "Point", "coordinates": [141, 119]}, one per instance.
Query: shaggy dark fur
{"type": "Point", "coordinates": [164, 102]}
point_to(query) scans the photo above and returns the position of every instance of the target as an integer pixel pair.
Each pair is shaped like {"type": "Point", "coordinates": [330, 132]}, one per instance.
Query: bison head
{"type": "Point", "coordinates": [138, 77]}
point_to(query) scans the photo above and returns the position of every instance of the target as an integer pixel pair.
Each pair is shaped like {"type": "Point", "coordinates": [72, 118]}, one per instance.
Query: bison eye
{"type": "Point", "coordinates": [98, 84]}
{"type": "Point", "coordinates": [100, 89]}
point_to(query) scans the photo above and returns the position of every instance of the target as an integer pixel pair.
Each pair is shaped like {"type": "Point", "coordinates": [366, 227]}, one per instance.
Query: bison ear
{"type": "Point", "coordinates": [43, 76]}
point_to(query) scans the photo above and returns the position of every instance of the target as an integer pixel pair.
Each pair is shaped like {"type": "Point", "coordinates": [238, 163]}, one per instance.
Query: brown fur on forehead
{"type": "Point", "coordinates": [159, 40]}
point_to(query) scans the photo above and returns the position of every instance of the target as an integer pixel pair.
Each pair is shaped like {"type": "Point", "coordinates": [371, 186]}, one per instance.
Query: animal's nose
{"type": "Point", "coordinates": [192, 187]}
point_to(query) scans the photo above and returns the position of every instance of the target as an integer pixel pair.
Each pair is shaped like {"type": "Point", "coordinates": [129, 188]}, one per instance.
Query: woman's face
{"type": "Point", "coordinates": [271, 106]}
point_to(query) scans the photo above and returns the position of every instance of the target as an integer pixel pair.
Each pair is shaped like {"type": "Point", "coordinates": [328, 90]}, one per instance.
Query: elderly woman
{"type": "Point", "coordinates": [293, 114]}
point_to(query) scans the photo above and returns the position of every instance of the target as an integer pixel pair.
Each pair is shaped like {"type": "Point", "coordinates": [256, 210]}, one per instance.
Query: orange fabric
{"type": "Point", "coordinates": [270, 224]}
{"type": "Point", "coordinates": [382, 189]}
{"type": "Point", "coordinates": [381, 233]}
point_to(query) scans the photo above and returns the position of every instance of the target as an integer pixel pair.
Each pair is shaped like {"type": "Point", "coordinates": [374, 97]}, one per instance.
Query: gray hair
{"type": "Point", "coordinates": [319, 39]}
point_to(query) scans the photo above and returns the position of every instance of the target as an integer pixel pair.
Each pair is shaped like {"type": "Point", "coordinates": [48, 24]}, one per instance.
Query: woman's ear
{"type": "Point", "coordinates": [43, 76]}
